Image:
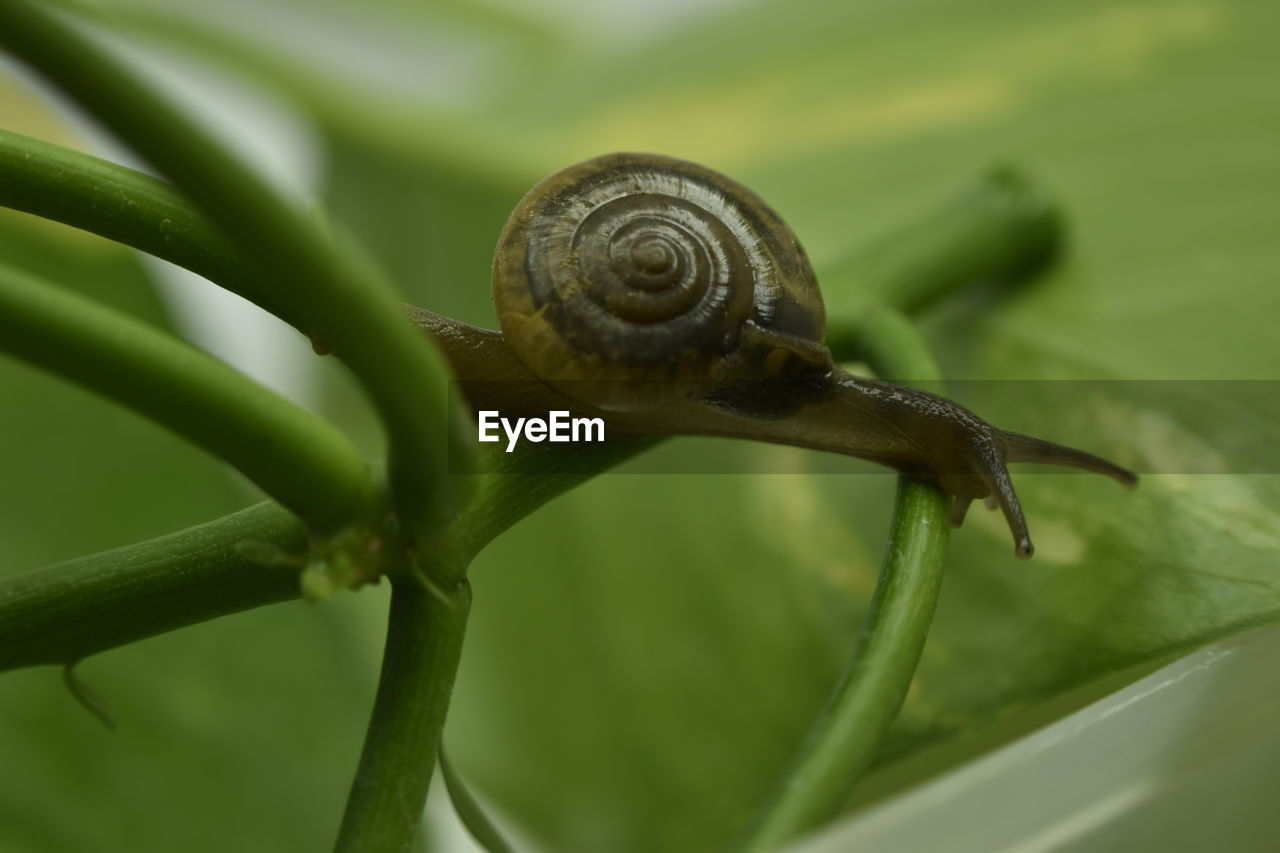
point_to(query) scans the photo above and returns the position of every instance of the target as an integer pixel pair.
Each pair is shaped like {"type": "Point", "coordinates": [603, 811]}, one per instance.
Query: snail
{"type": "Point", "coordinates": [675, 301]}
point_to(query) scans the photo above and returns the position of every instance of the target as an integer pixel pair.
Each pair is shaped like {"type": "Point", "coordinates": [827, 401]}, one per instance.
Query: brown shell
{"type": "Point", "coordinates": [630, 280]}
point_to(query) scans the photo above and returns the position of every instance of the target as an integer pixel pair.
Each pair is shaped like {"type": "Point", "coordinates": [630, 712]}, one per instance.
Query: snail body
{"type": "Point", "coordinates": [674, 300]}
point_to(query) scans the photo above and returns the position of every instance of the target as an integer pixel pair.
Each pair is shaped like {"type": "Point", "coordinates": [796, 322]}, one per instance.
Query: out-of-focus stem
{"type": "Point", "coordinates": [1002, 229]}
{"type": "Point", "coordinates": [297, 458]}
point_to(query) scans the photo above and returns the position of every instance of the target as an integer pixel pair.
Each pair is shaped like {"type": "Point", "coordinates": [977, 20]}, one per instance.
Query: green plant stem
{"type": "Point", "coordinates": [60, 613]}
{"type": "Point", "coordinates": [295, 457]}
{"type": "Point", "coordinates": [424, 643]}
{"type": "Point", "coordinates": [343, 300]}
{"type": "Point", "coordinates": [469, 810]}
{"type": "Point", "coordinates": [503, 497]}
{"type": "Point", "coordinates": [886, 340]}
{"type": "Point", "coordinates": [64, 613]}
{"type": "Point", "coordinates": [129, 207]}
{"type": "Point", "coordinates": [842, 743]}
{"type": "Point", "coordinates": [1001, 230]}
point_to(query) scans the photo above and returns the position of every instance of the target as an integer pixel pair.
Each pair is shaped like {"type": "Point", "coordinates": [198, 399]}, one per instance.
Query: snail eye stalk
{"type": "Point", "coordinates": [1025, 448]}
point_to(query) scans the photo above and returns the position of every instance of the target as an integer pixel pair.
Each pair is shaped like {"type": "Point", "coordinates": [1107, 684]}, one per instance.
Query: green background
{"type": "Point", "coordinates": [646, 651]}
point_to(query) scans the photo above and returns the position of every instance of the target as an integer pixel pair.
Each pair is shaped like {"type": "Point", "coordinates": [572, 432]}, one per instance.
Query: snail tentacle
{"type": "Point", "coordinates": [996, 477]}
{"type": "Point", "coordinates": [1026, 448]}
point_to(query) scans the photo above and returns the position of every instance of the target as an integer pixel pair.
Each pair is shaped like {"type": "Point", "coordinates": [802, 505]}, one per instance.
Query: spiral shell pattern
{"type": "Point", "coordinates": [645, 268]}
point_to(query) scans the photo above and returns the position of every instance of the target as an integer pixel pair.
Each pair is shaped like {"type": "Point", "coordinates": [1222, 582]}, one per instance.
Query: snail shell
{"type": "Point", "coordinates": [631, 280]}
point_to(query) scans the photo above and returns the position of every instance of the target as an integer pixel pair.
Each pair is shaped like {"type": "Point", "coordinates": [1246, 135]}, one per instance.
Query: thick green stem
{"type": "Point", "coordinates": [297, 458]}
{"type": "Point", "coordinates": [128, 207]}
{"type": "Point", "coordinates": [843, 741]}
{"type": "Point", "coordinates": [342, 299]}
{"type": "Point", "coordinates": [504, 496]}
{"type": "Point", "coordinates": [70, 611]}
{"type": "Point", "coordinates": [1001, 230]}
{"type": "Point", "coordinates": [44, 614]}
{"type": "Point", "coordinates": [888, 342]}
{"type": "Point", "coordinates": [424, 643]}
